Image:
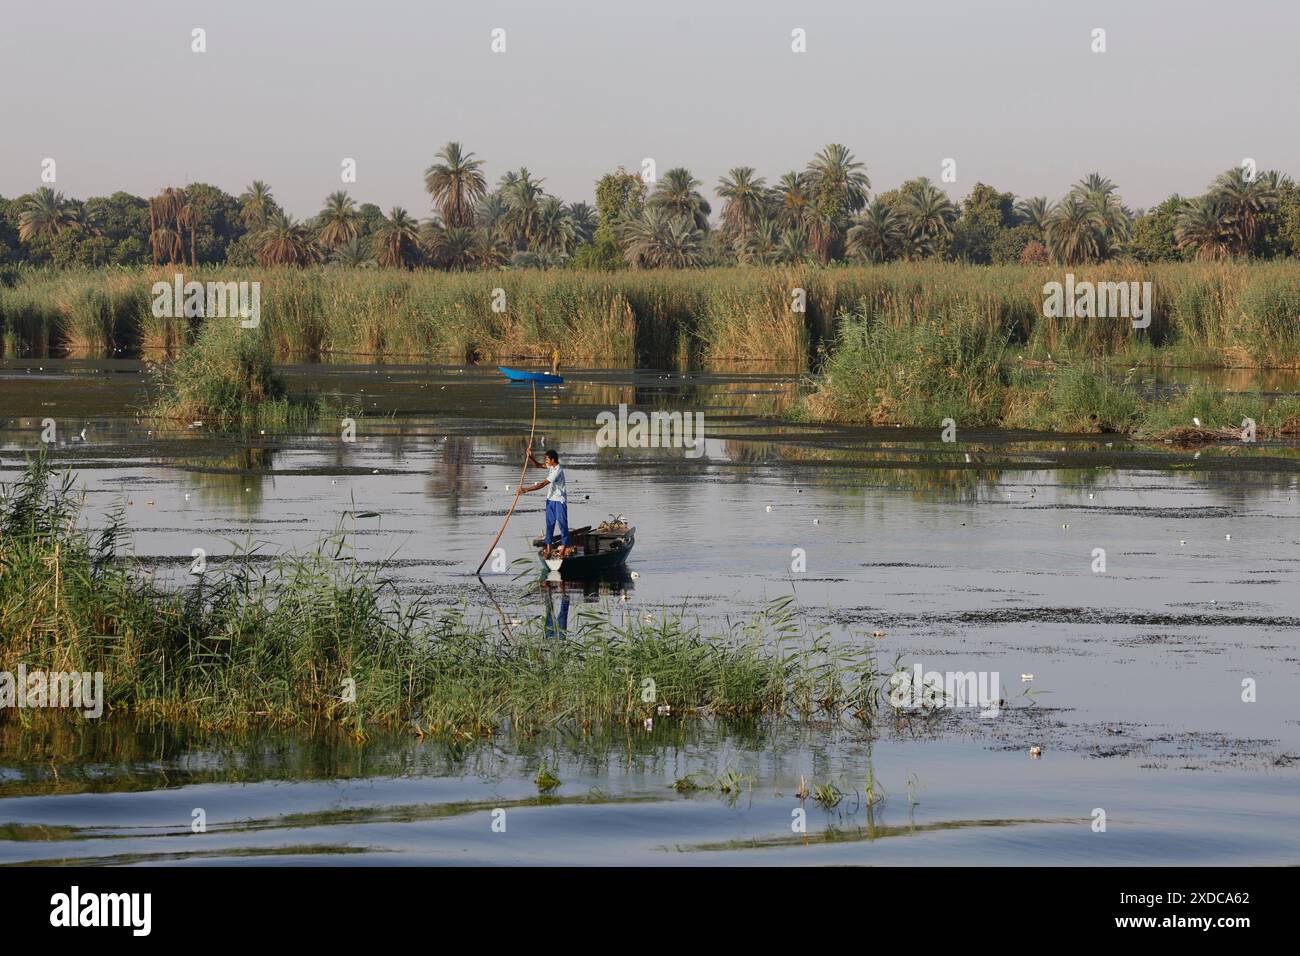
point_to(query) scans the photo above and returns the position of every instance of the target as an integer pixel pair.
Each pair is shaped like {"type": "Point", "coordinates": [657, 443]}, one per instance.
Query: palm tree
{"type": "Point", "coordinates": [170, 214]}
{"type": "Point", "coordinates": [553, 230]}
{"type": "Point", "coordinates": [835, 173]}
{"type": "Point", "coordinates": [793, 248]}
{"type": "Point", "coordinates": [760, 245]}
{"type": "Point", "coordinates": [451, 247]}
{"type": "Point", "coordinates": [1075, 231]}
{"type": "Point", "coordinates": [1036, 211]}
{"type": "Point", "coordinates": [839, 185]}
{"type": "Point", "coordinates": [678, 196]}
{"type": "Point", "coordinates": [86, 219]}
{"type": "Point", "coordinates": [490, 250]}
{"type": "Point", "coordinates": [455, 184]}
{"type": "Point", "coordinates": [522, 196]}
{"type": "Point", "coordinates": [284, 241]}
{"type": "Point", "coordinates": [338, 220]}
{"type": "Point", "coordinates": [355, 253]}
{"type": "Point", "coordinates": [1113, 217]}
{"type": "Point", "coordinates": [256, 204]}
{"type": "Point", "coordinates": [396, 240]}
{"type": "Point", "coordinates": [1206, 228]}
{"type": "Point", "coordinates": [928, 213]}
{"type": "Point", "coordinates": [585, 219]}
{"type": "Point", "coordinates": [1094, 184]}
{"type": "Point", "coordinates": [1244, 202]}
{"type": "Point", "coordinates": [658, 238]}
{"type": "Point", "coordinates": [877, 234]}
{"type": "Point", "coordinates": [490, 212]}
{"type": "Point", "coordinates": [793, 196]}
{"type": "Point", "coordinates": [744, 200]}
{"type": "Point", "coordinates": [46, 213]}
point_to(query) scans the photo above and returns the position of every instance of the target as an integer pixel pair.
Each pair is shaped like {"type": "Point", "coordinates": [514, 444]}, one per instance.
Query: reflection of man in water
{"type": "Point", "coordinates": [557, 501]}
{"type": "Point", "coordinates": [557, 628]}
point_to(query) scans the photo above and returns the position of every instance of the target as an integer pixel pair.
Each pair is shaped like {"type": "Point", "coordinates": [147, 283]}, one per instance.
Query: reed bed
{"type": "Point", "coordinates": [1220, 314]}
{"type": "Point", "coordinates": [964, 370]}
{"type": "Point", "coordinates": [316, 639]}
{"type": "Point", "coordinates": [227, 381]}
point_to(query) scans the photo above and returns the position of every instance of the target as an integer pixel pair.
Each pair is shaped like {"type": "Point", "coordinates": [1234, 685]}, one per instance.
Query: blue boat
{"type": "Point", "coordinates": [542, 378]}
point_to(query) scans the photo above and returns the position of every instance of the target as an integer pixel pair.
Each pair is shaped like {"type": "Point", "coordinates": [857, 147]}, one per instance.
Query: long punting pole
{"type": "Point", "coordinates": [523, 471]}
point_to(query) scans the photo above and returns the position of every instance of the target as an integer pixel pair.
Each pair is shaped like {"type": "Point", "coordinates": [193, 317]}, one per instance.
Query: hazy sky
{"type": "Point", "coordinates": [288, 88]}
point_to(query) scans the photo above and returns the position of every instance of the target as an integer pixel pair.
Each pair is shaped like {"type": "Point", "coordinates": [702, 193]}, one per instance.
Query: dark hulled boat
{"type": "Point", "coordinates": [597, 552]}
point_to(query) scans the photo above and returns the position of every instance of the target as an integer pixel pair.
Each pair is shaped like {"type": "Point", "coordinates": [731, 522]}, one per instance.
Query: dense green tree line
{"type": "Point", "coordinates": [824, 213]}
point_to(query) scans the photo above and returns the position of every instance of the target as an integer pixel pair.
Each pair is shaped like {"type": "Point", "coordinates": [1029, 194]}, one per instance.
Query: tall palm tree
{"type": "Point", "coordinates": [1244, 202]}
{"type": "Point", "coordinates": [656, 237]}
{"type": "Point", "coordinates": [744, 200]}
{"type": "Point", "coordinates": [585, 219]}
{"type": "Point", "coordinates": [256, 204]}
{"type": "Point", "coordinates": [834, 172]}
{"type": "Point", "coordinates": [490, 212]}
{"type": "Point", "coordinates": [928, 213]}
{"type": "Point", "coordinates": [553, 232]}
{"type": "Point", "coordinates": [170, 214]}
{"type": "Point", "coordinates": [522, 196]}
{"type": "Point", "coordinates": [396, 240]}
{"type": "Point", "coordinates": [1113, 218]}
{"type": "Point", "coordinates": [1075, 231]}
{"type": "Point", "coordinates": [877, 234]}
{"type": "Point", "coordinates": [1036, 211]}
{"type": "Point", "coordinates": [338, 221]}
{"type": "Point", "coordinates": [677, 194]}
{"type": "Point", "coordinates": [284, 241]}
{"type": "Point", "coordinates": [1094, 184]}
{"type": "Point", "coordinates": [455, 184]}
{"type": "Point", "coordinates": [793, 196]}
{"type": "Point", "coordinates": [839, 185]}
{"type": "Point", "coordinates": [1205, 228]}
{"type": "Point", "coordinates": [46, 213]}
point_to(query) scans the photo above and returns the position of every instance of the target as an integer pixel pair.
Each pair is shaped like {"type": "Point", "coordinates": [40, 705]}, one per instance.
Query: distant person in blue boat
{"type": "Point", "coordinates": [557, 502]}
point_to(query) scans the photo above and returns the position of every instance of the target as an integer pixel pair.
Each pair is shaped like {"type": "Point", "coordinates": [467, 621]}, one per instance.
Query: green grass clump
{"type": "Point", "coordinates": [317, 639]}
{"type": "Point", "coordinates": [227, 380]}
{"type": "Point", "coordinates": [913, 374]}
{"type": "Point", "coordinates": [1078, 399]}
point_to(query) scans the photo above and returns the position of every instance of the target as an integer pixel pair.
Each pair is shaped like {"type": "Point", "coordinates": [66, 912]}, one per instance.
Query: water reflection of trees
{"type": "Point", "coordinates": [236, 477]}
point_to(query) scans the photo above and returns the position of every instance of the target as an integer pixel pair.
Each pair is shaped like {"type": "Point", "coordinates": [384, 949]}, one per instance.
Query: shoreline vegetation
{"type": "Point", "coordinates": [895, 344]}
{"type": "Point", "coordinates": [1202, 314]}
{"type": "Point", "coordinates": [316, 640]}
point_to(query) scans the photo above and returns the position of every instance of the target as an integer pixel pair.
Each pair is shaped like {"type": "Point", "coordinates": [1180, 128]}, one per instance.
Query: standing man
{"type": "Point", "coordinates": [557, 500]}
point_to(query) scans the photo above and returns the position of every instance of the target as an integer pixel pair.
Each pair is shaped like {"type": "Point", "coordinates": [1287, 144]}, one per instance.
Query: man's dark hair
{"type": "Point", "coordinates": [554, 455]}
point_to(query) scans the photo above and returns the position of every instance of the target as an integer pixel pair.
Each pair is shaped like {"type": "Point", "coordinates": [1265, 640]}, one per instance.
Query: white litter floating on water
{"type": "Point", "coordinates": [635, 575]}
{"type": "Point", "coordinates": [769, 507]}
{"type": "Point", "coordinates": [1035, 752]}
{"type": "Point", "coordinates": [1026, 678]}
